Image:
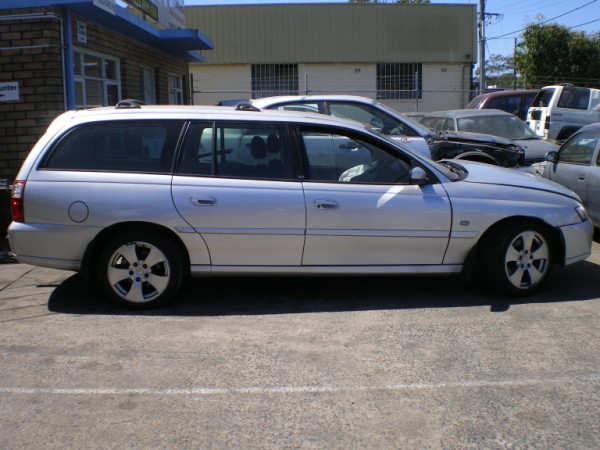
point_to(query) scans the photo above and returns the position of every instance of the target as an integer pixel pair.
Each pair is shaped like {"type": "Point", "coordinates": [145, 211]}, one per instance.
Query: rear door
{"type": "Point", "coordinates": [235, 186]}
{"type": "Point", "coordinates": [539, 111]}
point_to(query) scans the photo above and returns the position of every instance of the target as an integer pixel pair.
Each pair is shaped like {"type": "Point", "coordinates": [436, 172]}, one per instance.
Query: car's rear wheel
{"type": "Point", "coordinates": [140, 270]}
{"type": "Point", "coordinates": [518, 258]}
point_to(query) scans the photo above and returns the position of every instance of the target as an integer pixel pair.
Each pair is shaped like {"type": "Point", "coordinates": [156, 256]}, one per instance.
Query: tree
{"type": "Point", "coordinates": [499, 71]}
{"type": "Point", "coordinates": [552, 53]}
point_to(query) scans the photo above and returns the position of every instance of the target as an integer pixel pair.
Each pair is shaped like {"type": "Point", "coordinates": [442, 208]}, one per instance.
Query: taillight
{"type": "Point", "coordinates": [16, 201]}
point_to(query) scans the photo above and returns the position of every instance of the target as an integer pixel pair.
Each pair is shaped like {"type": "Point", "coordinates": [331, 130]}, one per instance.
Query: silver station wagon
{"type": "Point", "coordinates": [139, 197]}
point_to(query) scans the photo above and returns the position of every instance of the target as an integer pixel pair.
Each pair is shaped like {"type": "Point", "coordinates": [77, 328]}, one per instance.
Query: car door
{"type": "Point", "coordinates": [234, 186]}
{"type": "Point", "coordinates": [369, 214]}
{"type": "Point", "coordinates": [576, 167]}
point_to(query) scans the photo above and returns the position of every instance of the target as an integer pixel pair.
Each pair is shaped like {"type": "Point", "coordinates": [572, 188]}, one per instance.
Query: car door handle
{"type": "Point", "coordinates": [581, 177]}
{"type": "Point", "coordinates": [202, 200]}
{"type": "Point", "coordinates": [326, 204]}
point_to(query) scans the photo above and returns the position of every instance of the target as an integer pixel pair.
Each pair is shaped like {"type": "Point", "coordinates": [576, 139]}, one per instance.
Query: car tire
{"type": "Point", "coordinates": [517, 259]}
{"type": "Point", "coordinates": [140, 270]}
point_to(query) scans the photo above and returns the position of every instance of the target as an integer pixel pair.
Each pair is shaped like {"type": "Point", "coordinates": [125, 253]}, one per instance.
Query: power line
{"type": "Point", "coordinates": [549, 20]}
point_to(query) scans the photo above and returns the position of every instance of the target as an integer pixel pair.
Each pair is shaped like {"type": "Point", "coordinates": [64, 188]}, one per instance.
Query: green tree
{"type": "Point", "coordinates": [499, 71]}
{"type": "Point", "coordinates": [549, 54]}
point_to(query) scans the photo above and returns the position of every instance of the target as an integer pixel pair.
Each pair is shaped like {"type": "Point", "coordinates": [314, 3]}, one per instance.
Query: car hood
{"type": "Point", "coordinates": [488, 174]}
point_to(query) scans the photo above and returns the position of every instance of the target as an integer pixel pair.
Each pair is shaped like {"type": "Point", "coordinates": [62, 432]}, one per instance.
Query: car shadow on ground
{"type": "Point", "coordinates": [223, 296]}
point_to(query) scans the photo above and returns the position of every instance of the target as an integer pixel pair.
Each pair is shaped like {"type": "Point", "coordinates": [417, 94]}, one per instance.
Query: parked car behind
{"type": "Point", "coordinates": [434, 144]}
{"type": "Point", "coordinates": [577, 166]}
{"type": "Point", "coordinates": [139, 197]}
{"type": "Point", "coordinates": [558, 111]}
{"type": "Point", "coordinates": [495, 122]}
{"type": "Point", "coordinates": [512, 101]}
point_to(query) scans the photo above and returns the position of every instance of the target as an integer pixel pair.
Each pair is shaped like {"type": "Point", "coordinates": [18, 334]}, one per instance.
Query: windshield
{"type": "Point", "coordinates": [506, 126]}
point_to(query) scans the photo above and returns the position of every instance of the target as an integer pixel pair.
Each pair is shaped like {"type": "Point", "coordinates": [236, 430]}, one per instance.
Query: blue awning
{"type": "Point", "coordinates": [181, 44]}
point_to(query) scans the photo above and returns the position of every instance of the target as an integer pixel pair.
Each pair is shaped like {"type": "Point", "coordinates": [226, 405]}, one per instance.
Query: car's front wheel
{"type": "Point", "coordinates": [518, 258]}
{"type": "Point", "coordinates": [140, 270]}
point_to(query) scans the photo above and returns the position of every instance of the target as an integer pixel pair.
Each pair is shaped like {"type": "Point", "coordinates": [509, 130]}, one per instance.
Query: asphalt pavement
{"type": "Point", "coordinates": [315, 363]}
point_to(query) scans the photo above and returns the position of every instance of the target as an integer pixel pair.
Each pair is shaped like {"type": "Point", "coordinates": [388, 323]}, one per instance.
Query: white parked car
{"type": "Point", "coordinates": [434, 144]}
{"type": "Point", "coordinates": [558, 111]}
{"type": "Point", "coordinates": [139, 197]}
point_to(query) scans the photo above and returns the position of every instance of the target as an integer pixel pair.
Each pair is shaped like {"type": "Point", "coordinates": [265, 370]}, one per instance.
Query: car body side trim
{"type": "Point", "coordinates": [204, 270]}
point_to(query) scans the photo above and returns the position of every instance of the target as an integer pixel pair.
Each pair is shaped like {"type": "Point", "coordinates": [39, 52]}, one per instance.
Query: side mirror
{"type": "Point", "coordinates": [418, 176]}
{"type": "Point", "coordinates": [552, 157]}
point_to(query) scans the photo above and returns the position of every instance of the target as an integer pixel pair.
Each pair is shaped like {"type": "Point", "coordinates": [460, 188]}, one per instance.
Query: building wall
{"type": "Point", "coordinates": [221, 82]}
{"type": "Point", "coordinates": [39, 73]}
{"type": "Point", "coordinates": [337, 33]}
{"type": "Point", "coordinates": [337, 47]}
{"type": "Point", "coordinates": [445, 86]}
{"type": "Point", "coordinates": [32, 56]}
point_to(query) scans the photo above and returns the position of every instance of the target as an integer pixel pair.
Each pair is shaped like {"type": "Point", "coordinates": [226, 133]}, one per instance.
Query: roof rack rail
{"type": "Point", "coordinates": [129, 103]}
{"type": "Point", "coordinates": [245, 106]}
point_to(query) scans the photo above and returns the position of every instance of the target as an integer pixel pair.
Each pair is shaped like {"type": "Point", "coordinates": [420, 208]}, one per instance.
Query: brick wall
{"type": "Point", "coordinates": [32, 56]}
{"type": "Point", "coordinates": [34, 60]}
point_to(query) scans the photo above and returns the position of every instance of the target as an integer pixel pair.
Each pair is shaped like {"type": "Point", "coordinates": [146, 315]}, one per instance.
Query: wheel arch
{"type": "Point", "coordinates": [554, 234]}
{"type": "Point", "coordinates": [93, 249]}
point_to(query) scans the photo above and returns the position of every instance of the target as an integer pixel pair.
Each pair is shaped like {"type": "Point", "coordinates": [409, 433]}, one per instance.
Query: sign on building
{"type": "Point", "coordinates": [109, 6]}
{"type": "Point", "coordinates": [169, 14]}
{"type": "Point", "coordinates": [9, 92]}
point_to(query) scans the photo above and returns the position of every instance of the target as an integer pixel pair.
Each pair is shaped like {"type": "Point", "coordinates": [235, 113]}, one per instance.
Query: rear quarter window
{"type": "Point", "coordinates": [574, 98]}
{"type": "Point", "coordinates": [143, 146]}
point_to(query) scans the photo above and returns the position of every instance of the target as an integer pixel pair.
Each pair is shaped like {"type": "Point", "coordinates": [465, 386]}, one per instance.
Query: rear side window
{"type": "Point", "coordinates": [240, 150]}
{"type": "Point", "coordinates": [144, 146]}
{"type": "Point", "coordinates": [574, 98]}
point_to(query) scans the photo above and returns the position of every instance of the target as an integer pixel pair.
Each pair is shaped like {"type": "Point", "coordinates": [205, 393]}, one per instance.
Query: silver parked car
{"type": "Point", "coordinates": [494, 122]}
{"type": "Point", "coordinates": [577, 166]}
{"type": "Point", "coordinates": [138, 197]}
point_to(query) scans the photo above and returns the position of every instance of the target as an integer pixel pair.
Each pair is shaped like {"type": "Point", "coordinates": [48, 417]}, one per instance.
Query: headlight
{"type": "Point", "coordinates": [583, 215]}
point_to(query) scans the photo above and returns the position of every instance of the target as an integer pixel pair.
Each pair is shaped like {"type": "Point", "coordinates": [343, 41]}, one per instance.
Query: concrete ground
{"type": "Point", "coordinates": [371, 362]}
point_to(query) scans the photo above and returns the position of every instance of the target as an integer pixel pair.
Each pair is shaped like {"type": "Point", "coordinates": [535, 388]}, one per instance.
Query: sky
{"type": "Point", "coordinates": [508, 18]}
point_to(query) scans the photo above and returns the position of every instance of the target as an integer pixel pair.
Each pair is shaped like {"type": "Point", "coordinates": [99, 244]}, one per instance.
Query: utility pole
{"type": "Point", "coordinates": [483, 16]}
{"type": "Point", "coordinates": [481, 46]}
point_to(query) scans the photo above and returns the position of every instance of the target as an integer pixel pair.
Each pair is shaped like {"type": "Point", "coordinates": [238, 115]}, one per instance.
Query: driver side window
{"type": "Point", "coordinates": [334, 157]}
{"type": "Point", "coordinates": [580, 149]}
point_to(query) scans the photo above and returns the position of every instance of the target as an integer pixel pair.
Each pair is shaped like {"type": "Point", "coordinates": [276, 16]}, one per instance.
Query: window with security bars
{"type": "Point", "coordinates": [274, 79]}
{"type": "Point", "coordinates": [399, 80]}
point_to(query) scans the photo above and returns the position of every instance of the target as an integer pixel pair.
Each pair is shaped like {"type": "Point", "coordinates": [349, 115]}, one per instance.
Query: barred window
{"type": "Point", "coordinates": [399, 80]}
{"type": "Point", "coordinates": [274, 79]}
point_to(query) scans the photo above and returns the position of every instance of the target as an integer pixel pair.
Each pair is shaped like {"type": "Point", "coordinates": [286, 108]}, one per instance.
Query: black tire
{"type": "Point", "coordinates": [518, 258]}
{"type": "Point", "coordinates": [140, 270]}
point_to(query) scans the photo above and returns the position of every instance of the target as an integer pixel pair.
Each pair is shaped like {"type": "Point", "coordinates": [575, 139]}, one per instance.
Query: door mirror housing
{"type": "Point", "coordinates": [418, 176]}
{"type": "Point", "coordinates": [552, 156]}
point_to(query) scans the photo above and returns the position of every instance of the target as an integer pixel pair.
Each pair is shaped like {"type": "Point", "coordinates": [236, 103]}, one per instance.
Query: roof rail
{"type": "Point", "coordinates": [129, 103]}
{"type": "Point", "coordinates": [245, 106]}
